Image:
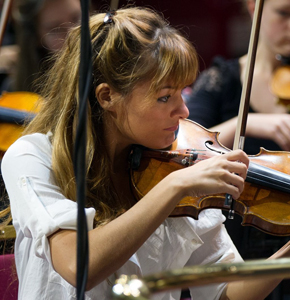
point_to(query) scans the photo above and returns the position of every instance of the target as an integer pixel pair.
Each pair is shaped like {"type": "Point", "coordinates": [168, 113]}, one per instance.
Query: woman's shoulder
{"type": "Point", "coordinates": [31, 144]}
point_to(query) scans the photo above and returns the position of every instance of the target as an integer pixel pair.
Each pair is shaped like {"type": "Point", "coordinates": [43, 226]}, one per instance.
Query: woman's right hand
{"type": "Point", "coordinates": [224, 173]}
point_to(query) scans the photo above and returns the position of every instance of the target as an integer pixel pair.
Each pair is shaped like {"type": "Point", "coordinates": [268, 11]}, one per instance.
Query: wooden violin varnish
{"type": "Point", "coordinates": [280, 83]}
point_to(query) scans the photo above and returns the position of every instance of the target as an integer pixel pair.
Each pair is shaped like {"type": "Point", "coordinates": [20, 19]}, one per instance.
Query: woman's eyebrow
{"type": "Point", "coordinates": [167, 87]}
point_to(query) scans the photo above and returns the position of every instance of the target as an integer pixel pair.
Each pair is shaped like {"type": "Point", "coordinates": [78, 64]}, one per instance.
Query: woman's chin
{"type": "Point", "coordinates": [167, 144]}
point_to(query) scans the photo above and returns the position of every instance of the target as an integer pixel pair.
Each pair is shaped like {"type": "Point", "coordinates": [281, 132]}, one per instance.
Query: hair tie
{"type": "Point", "coordinates": [109, 17]}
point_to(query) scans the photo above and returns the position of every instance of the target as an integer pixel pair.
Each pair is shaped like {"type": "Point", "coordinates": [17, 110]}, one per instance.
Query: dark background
{"type": "Point", "coordinates": [215, 27]}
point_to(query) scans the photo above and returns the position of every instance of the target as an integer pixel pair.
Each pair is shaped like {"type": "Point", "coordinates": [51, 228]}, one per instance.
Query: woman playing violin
{"type": "Point", "coordinates": [214, 102]}
{"type": "Point", "coordinates": [140, 66]}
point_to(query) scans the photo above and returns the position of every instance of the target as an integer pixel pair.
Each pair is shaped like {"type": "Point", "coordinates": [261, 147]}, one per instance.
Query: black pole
{"type": "Point", "coordinates": [85, 71]}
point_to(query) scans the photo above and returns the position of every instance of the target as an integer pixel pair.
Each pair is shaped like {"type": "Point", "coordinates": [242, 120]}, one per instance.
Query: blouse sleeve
{"type": "Point", "coordinates": [38, 207]}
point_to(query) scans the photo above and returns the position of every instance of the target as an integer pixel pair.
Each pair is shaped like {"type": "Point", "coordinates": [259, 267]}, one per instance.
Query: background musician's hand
{"type": "Point", "coordinates": [264, 126]}
{"type": "Point", "coordinates": [270, 126]}
{"type": "Point", "coordinates": [8, 58]}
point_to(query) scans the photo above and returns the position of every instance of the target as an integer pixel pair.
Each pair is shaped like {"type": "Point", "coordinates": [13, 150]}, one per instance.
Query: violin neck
{"type": "Point", "coordinates": [269, 178]}
{"type": "Point", "coordinates": [13, 116]}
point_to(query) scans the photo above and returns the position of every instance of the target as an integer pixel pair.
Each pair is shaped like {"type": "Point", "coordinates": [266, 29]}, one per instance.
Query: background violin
{"type": "Point", "coordinates": [280, 84]}
{"type": "Point", "coordinates": [265, 201]}
{"type": "Point", "coordinates": [15, 109]}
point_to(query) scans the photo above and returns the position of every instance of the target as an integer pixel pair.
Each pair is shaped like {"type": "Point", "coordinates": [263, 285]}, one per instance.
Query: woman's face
{"type": "Point", "coordinates": [153, 122]}
{"type": "Point", "coordinates": [275, 26]}
{"type": "Point", "coordinates": [56, 17]}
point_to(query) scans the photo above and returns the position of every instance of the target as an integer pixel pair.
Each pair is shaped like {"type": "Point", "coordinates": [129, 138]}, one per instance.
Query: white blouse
{"type": "Point", "coordinates": [39, 209]}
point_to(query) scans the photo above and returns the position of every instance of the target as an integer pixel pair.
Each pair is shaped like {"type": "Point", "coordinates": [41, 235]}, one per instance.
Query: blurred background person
{"type": "Point", "coordinates": [214, 103]}
{"type": "Point", "coordinates": [37, 29]}
{"type": "Point", "coordinates": [40, 27]}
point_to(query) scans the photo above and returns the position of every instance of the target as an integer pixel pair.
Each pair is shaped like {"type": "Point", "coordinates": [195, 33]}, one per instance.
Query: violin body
{"type": "Point", "coordinates": [15, 109]}
{"type": "Point", "coordinates": [281, 85]}
{"type": "Point", "coordinates": [265, 201]}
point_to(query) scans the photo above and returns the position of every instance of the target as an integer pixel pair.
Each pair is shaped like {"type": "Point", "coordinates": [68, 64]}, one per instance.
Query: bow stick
{"type": "Point", "coordinates": [4, 18]}
{"type": "Point", "coordinates": [240, 133]}
{"type": "Point", "coordinates": [114, 4]}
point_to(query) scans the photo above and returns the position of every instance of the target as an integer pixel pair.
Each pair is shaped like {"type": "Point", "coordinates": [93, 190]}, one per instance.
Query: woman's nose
{"type": "Point", "coordinates": [185, 111]}
{"type": "Point", "coordinates": [181, 109]}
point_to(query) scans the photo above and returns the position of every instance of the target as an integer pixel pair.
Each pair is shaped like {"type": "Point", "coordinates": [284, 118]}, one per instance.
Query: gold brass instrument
{"type": "Point", "coordinates": [132, 287]}
{"type": "Point", "coordinates": [7, 232]}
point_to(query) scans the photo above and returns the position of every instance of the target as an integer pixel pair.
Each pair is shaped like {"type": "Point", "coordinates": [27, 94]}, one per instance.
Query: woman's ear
{"type": "Point", "coordinates": [103, 94]}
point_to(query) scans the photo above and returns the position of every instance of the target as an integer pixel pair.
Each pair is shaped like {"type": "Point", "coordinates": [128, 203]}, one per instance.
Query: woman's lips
{"type": "Point", "coordinates": [173, 128]}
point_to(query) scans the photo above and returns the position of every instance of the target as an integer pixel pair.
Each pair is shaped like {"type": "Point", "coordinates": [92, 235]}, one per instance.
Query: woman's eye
{"type": "Point", "coordinates": [284, 13]}
{"type": "Point", "coordinates": [164, 98]}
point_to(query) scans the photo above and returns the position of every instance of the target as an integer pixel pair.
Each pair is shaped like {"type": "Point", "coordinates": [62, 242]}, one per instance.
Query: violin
{"type": "Point", "coordinates": [265, 201]}
{"type": "Point", "coordinates": [280, 83]}
{"type": "Point", "coordinates": [16, 109]}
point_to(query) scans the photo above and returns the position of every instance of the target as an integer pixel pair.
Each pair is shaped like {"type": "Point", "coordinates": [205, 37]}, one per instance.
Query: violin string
{"type": "Point", "coordinates": [272, 178]}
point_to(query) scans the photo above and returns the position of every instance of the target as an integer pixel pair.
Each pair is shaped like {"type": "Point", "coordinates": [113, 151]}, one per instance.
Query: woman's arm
{"type": "Point", "coordinates": [111, 245]}
{"type": "Point", "coordinates": [8, 58]}
{"type": "Point", "coordinates": [265, 126]}
{"type": "Point", "coordinates": [255, 289]}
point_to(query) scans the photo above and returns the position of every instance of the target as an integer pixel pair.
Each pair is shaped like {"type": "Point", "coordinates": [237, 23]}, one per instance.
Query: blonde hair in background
{"type": "Point", "coordinates": [137, 46]}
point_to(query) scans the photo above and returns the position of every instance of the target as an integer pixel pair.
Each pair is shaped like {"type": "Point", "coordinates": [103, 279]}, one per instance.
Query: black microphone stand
{"type": "Point", "coordinates": [79, 159]}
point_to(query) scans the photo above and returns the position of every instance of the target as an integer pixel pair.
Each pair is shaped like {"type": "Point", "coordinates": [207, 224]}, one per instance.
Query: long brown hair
{"type": "Point", "coordinates": [137, 45]}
